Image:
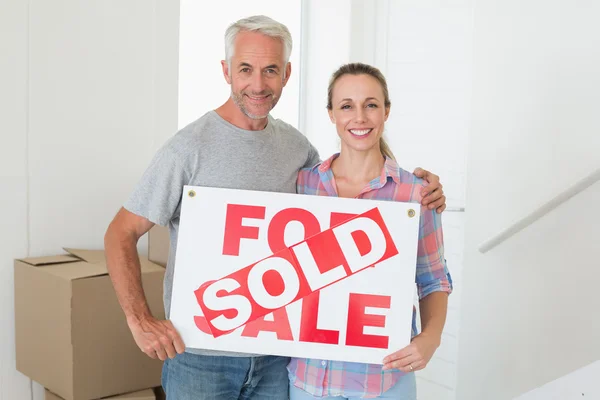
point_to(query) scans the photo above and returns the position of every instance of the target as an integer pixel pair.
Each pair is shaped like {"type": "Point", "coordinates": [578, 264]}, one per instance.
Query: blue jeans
{"type": "Point", "coordinates": [195, 377]}
{"type": "Point", "coordinates": [404, 389]}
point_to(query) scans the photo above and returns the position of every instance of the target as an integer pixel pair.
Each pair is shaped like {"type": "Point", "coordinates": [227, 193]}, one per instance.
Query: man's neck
{"type": "Point", "coordinates": [232, 114]}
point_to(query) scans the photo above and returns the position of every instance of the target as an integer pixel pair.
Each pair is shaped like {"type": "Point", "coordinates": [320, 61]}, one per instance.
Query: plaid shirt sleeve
{"type": "Point", "coordinates": [432, 273]}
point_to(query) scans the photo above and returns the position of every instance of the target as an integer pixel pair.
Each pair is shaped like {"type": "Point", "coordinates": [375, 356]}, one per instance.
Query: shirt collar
{"type": "Point", "coordinates": [390, 169]}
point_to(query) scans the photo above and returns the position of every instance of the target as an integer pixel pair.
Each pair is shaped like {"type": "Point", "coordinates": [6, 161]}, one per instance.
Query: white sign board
{"type": "Point", "coordinates": [294, 275]}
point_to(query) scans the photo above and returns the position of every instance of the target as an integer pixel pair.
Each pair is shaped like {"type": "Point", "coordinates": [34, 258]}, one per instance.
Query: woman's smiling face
{"type": "Point", "coordinates": [358, 111]}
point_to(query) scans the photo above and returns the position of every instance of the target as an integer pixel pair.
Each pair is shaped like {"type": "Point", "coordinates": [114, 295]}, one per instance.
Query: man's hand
{"type": "Point", "coordinates": [433, 195]}
{"type": "Point", "coordinates": [157, 338]}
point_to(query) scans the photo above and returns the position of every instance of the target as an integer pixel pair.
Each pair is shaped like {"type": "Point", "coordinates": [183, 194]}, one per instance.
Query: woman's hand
{"type": "Point", "coordinates": [415, 356]}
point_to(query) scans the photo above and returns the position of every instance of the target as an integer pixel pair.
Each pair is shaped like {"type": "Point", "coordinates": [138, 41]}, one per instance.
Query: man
{"type": "Point", "coordinates": [238, 145]}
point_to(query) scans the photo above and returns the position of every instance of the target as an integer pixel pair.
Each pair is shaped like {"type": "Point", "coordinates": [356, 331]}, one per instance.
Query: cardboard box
{"type": "Point", "coordinates": [71, 334]}
{"type": "Point", "coordinates": [147, 394]}
{"type": "Point", "coordinates": [160, 393]}
{"type": "Point", "coordinates": [158, 245]}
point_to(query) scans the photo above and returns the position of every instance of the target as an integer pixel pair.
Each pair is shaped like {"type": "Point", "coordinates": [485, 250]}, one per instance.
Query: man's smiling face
{"type": "Point", "coordinates": [257, 73]}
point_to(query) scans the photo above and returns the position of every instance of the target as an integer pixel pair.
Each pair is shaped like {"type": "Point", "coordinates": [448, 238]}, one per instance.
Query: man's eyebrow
{"type": "Point", "coordinates": [272, 66]}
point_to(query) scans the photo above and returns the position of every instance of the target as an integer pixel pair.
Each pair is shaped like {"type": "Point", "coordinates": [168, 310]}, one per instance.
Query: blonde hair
{"type": "Point", "coordinates": [363, 69]}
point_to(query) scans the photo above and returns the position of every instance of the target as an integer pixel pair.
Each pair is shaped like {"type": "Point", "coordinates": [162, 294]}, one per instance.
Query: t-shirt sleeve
{"type": "Point", "coordinates": [313, 157]}
{"type": "Point", "coordinates": [157, 196]}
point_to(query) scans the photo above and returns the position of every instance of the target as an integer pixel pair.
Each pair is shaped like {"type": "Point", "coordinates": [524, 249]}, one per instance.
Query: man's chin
{"type": "Point", "coordinates": [256, 114]}
{"type": "Point", "coordinates": [256, 117]}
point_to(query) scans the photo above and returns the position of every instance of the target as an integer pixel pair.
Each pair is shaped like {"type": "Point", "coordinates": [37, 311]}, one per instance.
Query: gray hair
{"type": "Point", "coordinates": [261, 24]}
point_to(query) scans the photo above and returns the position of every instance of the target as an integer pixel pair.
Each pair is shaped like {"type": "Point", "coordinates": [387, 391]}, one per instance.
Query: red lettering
{"type": "Point", "coordinates": [294, 273]}
{"type": "Point", "coordinates": [358, 319]}
{"type": "Point", "coordinates": [235, 231]}
{"type": "Point", "coordinates": [280, 325]}
{"type": "Point", "coordinates": [199, 320]}
{"type": "Point", "coordinates": [326, 256]}
{"type": "Point", "coordinates": [254, 288]}
{"type": "Point", "coordinates": [201, 324]}
{"type": "Point", "coordinates": [356, 322]}
{"type": "Point", "coordinates": [363, 244]}
{"type": "Point", "coordinates": [338, 218]}
{"type": "Point", "coordinates": [284, 217]}
{"type": "Point", "coordinates": [365, 240]}
{"type": "Point", "coordinates": [308, 323]}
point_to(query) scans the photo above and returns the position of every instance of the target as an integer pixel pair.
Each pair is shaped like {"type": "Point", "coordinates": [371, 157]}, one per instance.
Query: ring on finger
{"type": "Point", "coordinates": [411, 367]}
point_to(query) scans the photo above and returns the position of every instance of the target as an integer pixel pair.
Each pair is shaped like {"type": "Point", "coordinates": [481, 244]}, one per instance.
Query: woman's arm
{"type": "Point", "coordinates": [433, 315]}
{"type": "Point", "coordinates": [417, 354]}
{"type": "Point", "coordinates": [433, 284]}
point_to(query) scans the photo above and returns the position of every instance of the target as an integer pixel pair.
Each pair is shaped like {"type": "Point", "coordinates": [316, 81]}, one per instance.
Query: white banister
{"type": "Point", "coordinates": [581, 384]}
{"type": "Point", "coordinates": [541, 211]}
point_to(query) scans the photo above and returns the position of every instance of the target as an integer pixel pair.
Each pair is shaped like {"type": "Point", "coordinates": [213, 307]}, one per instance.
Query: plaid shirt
{"type": "Point", "coordinates": [323, 378]}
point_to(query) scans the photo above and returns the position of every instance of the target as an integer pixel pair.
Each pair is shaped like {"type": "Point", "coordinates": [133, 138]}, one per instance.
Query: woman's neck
{"type": "Point", "coordinates": [358, 166]}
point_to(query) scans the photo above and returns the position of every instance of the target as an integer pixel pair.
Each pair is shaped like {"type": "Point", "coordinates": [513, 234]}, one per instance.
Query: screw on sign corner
{"type": "Point", "coordinates": [192, 193]}
{"type": "Point", "coordinates": [411, 213]}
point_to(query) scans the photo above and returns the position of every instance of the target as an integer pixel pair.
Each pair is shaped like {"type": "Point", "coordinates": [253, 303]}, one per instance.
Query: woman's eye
{"type": "Point", "coordinates": [345, 107]}
{"type": "Point", "coordinates": [372, 105]}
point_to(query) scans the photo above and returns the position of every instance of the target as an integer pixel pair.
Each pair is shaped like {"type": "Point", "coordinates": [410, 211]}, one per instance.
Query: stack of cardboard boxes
{"type": "Point", "coordinates": [71, 334]}
{"type": "Point", "coordinates": [147, 394]}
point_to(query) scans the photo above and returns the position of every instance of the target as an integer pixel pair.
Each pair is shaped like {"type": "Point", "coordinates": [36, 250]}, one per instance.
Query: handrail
{"type": "Point", "coordinates": [541, 211]}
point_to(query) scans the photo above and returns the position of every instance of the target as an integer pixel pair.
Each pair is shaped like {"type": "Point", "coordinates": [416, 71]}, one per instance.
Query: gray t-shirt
{"type": "Point", "coordinates": [212, 152]}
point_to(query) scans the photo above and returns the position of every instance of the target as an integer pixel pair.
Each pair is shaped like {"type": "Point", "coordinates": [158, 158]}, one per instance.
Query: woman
{"type": "Point", "coordinates": [358, 105]}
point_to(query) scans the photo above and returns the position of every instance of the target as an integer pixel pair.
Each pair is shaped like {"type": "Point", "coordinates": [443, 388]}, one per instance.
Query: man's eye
{"type": "Point", "coordinates": [244, 70]}
{"type": "Point", "coordinates": [271, 71]}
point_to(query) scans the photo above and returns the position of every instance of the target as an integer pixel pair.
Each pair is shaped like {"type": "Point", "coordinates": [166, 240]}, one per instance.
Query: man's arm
{"type": "Point", "coordinates": [158, 339]}
{"type": "Point", "coordinates": [123, 262]}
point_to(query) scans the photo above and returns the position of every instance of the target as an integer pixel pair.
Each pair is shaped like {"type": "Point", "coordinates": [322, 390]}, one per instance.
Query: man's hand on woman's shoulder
{"type": "Point", "coordinates": [433, 195]}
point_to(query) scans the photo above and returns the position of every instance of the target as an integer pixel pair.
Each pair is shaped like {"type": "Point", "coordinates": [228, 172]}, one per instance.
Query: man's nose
{"type": "Point", "coordinates": [258, 83]}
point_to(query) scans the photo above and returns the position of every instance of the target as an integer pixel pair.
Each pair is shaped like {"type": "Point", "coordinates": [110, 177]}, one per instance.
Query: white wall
{"type": "Point", "coordinates": [326, 27]}
{"type": "Point", "coordinates": [13, 181]}
{"type": "Point", "coordinates": [88, 94]}
{"type": "Point", "coordinates": [429, 68]}
{"type": "Point", "coordinates": [530, 306]}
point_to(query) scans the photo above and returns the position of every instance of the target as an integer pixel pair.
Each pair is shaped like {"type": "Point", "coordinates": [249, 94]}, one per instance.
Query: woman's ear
{"type": "Point", "coordinates": [332, 117]}
{"type": "Point", "coordinates": [387, 113]}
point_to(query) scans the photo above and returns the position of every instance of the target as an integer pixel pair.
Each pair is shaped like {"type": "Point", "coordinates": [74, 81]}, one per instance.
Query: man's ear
{"type": "Point", "coordinates": [288, 72]}
{"type": "Point", "coordinates": [331, 117]}
{"type": "Point", "coordinates": [226, 72]}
